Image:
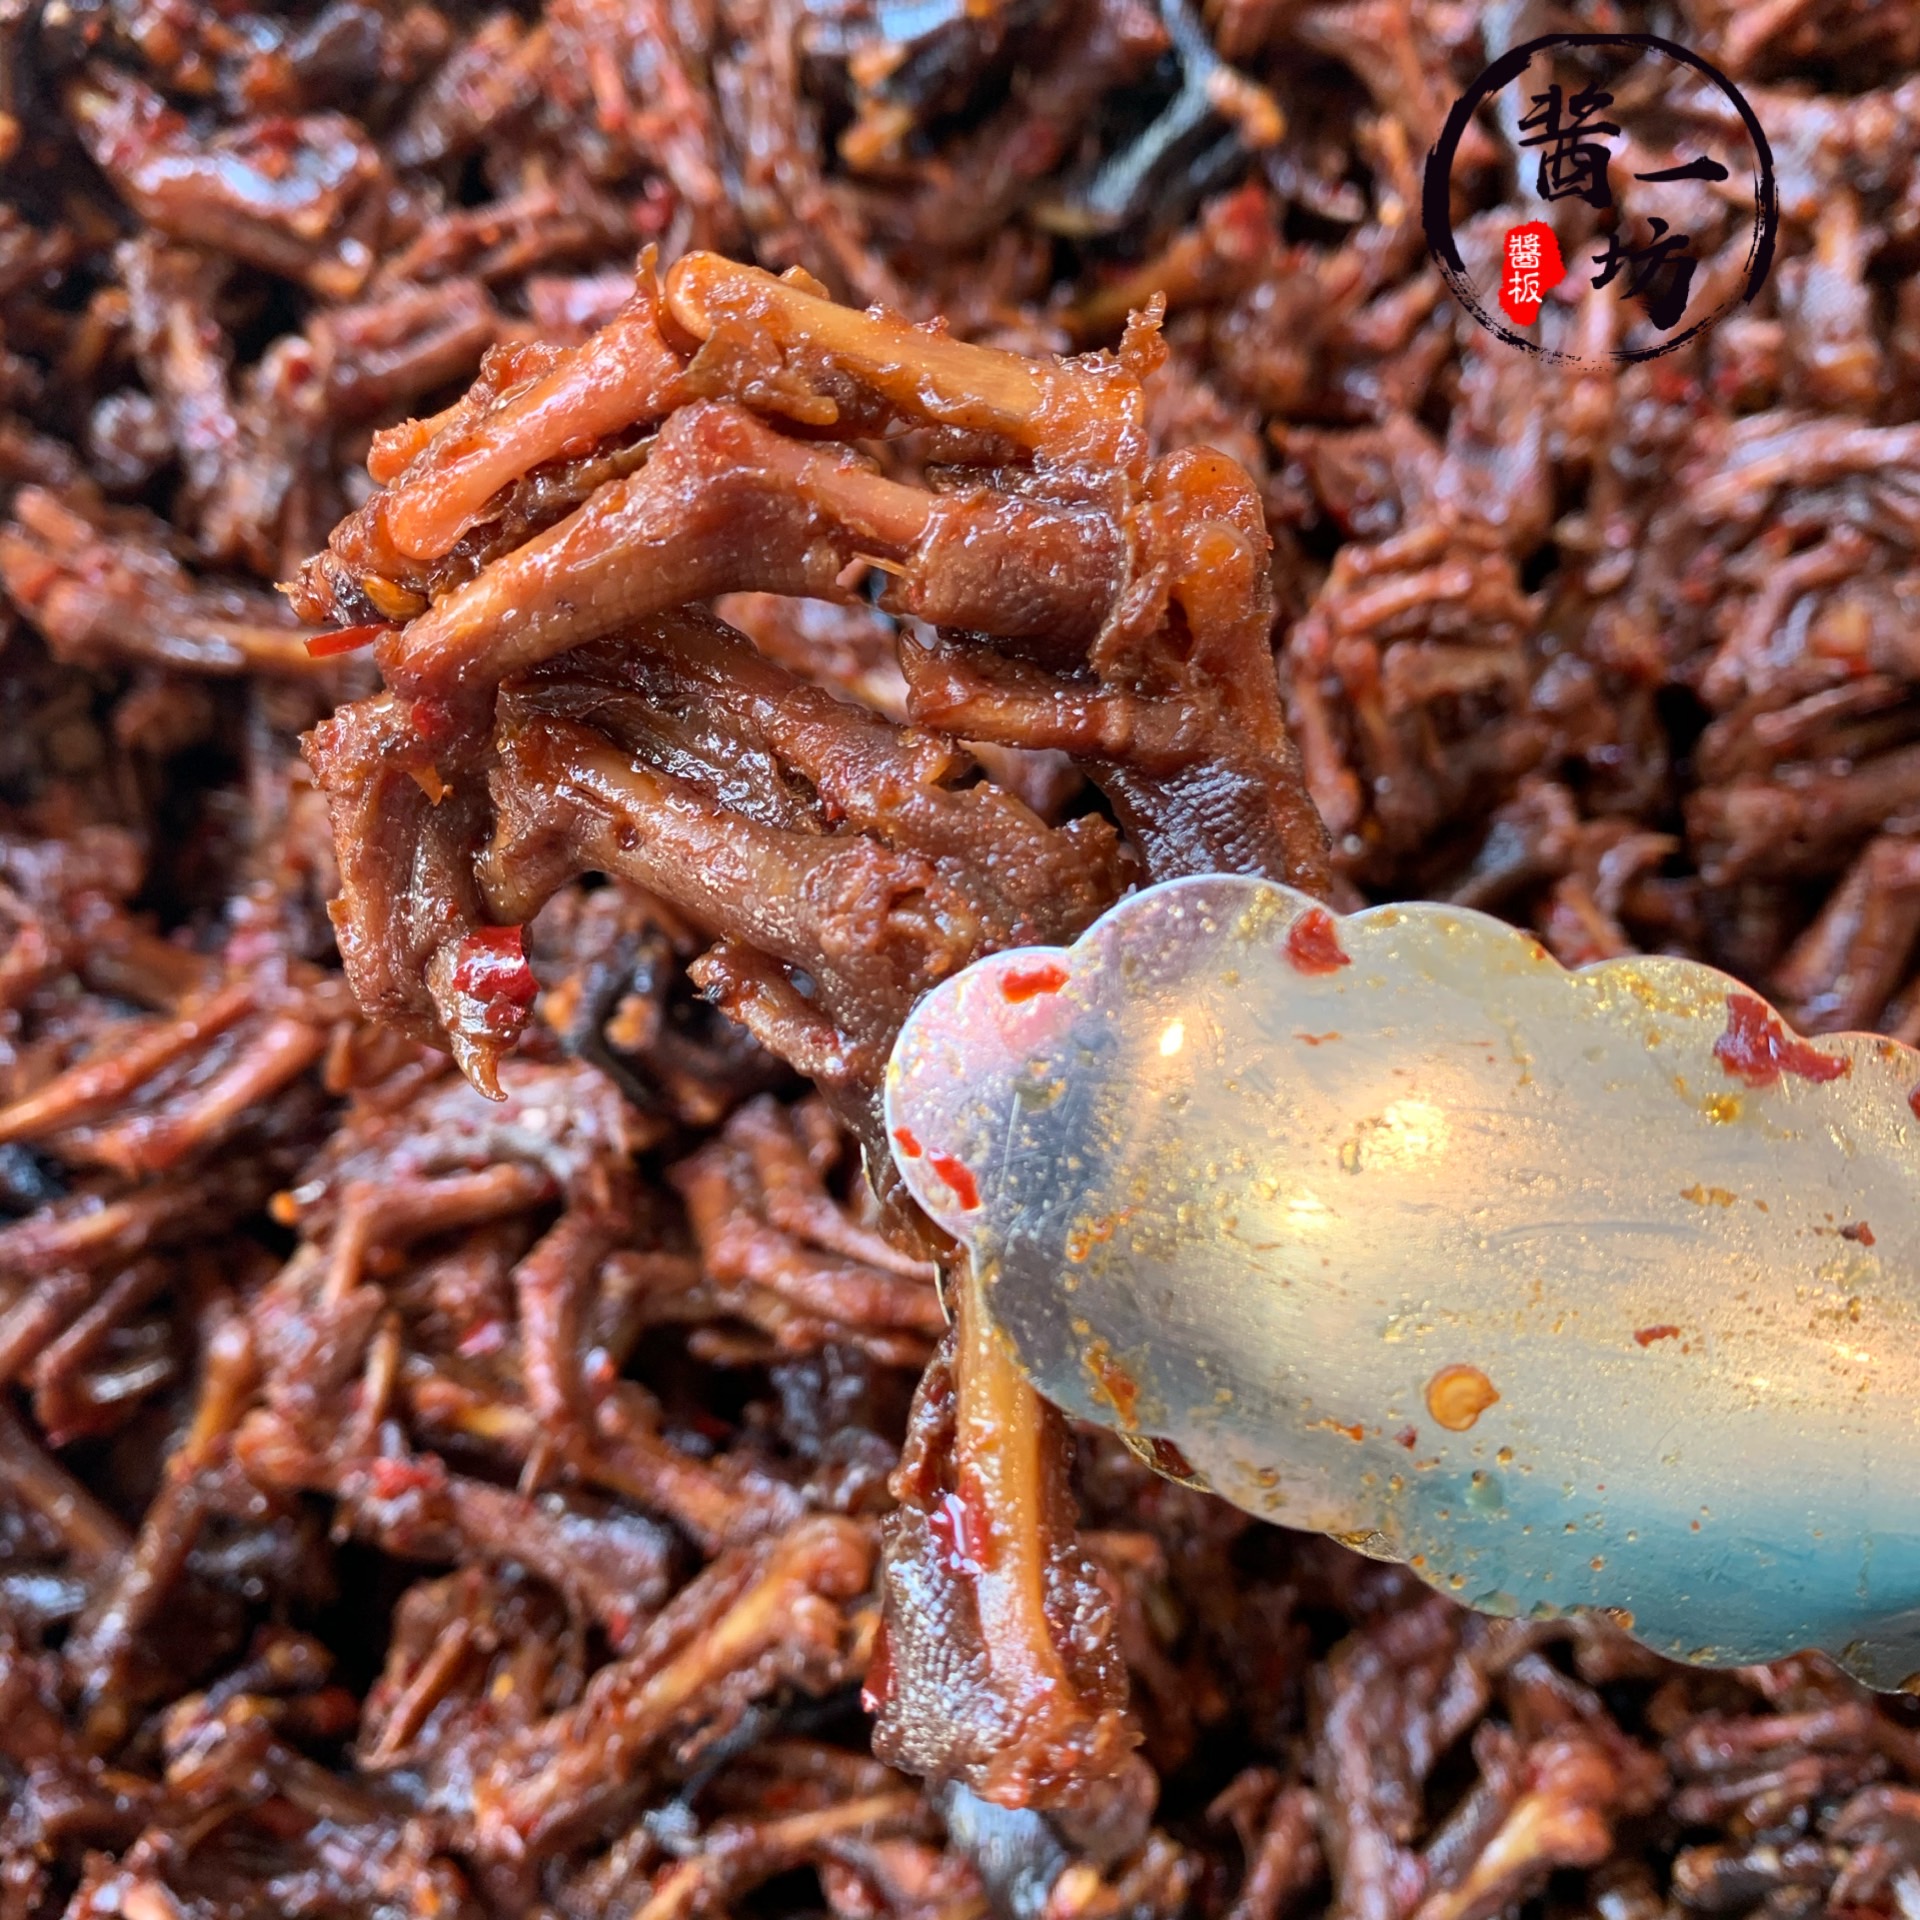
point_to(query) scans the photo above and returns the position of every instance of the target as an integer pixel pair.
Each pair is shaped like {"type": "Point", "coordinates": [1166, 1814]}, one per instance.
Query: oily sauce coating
{"type": "Point", "coordinates": [1074, 596]}
{"type": "Point", "coordinates": [411, 1504]}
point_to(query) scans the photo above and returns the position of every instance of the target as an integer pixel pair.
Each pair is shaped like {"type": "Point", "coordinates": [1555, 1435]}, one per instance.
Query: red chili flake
{"type": "Point", "coordinates": [1530, 269]}
{"type": "Point", "coordinates": [958, 1177]}
{"type": "Point", "coordinates": [1023, 983]}
{"type": "Point", "coordinates": [1756, 1048]}
{"type": "Point", "coordinates": [393, 1479]}
{"type": "Point", "coordinates": [1408, 1437]}
{"type": "Point", "coordinates": [877, 1691]}
{"type": "Point", "coordinates": [1112, 1382]}
{"type": "Point", "coordinates": [1913, 1102]}
{"type": "Point", "coordinates": [1858, 1230]}
{"type": "Point", "coordinates": [493, 966]}
{"type": "Point", "coordinates": [903, 1139]}
{"type": "Point", "coordinates": [1356, 1433]}
{"type": "Point", "coordinates": [1646, 1336]}
{"type": "Point", "coordinates": [323, 646]}
{"type": "Point", "coordinates": [1313, 943]}
{"type": "Point", "coordinates": [492, 969]}
{"type": "Point", "coordinates": [1168, 1459]}
{"type": "Point", "coordinates": [434, 722]}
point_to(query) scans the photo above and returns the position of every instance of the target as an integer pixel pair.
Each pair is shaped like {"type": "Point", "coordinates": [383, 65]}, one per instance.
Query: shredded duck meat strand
{"type": "Point", "coordinates": [416, 1503]}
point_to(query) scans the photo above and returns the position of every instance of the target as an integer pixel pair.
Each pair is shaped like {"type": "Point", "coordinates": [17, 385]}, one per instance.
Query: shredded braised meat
{"type": "Point", "coordinates": [579, 1504]}
{"type": "Point", "coordinates": [572, 707]}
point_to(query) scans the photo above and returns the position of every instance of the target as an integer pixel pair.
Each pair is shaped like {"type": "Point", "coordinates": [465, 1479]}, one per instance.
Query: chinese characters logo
{"type": "Point", "coordinates": [1530, 269]}
{"type": "Point", "coordinates": [1643, 169]}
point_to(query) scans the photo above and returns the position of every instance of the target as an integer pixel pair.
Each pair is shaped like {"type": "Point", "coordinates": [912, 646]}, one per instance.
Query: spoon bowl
{"type": "Point", "coordinates": [1593, 1289]}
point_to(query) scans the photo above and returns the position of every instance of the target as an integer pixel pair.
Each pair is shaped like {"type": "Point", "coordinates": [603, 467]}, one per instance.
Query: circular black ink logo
{"type": "Point", "coordinates": [1641, 168]}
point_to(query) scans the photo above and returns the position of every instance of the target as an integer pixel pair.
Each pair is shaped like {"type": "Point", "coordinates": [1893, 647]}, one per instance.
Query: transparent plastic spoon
{"type": "Point", "coordinates": [1569, 1290]}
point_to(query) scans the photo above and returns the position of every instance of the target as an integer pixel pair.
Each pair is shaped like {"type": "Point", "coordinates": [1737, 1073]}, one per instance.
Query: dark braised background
{"type": "Point", "coordinates": [1628, 656]}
